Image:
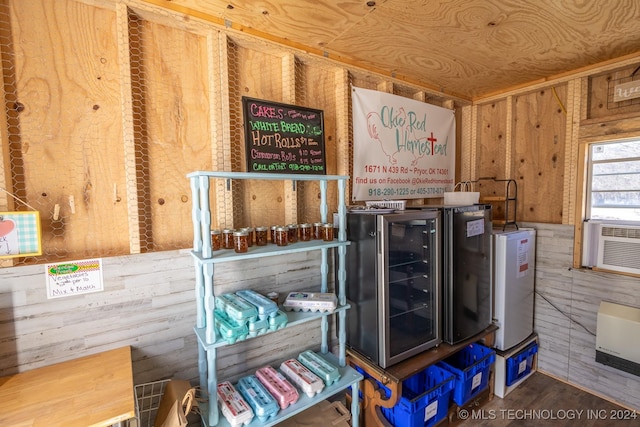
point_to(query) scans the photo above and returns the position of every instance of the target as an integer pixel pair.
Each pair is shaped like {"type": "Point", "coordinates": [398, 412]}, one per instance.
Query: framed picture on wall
{"type": "Point", "coordinates": [20, 234]}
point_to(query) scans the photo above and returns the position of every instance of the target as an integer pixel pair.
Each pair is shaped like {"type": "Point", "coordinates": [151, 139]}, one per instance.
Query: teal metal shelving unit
{"type": "Point", "coordinates": [205, 259]}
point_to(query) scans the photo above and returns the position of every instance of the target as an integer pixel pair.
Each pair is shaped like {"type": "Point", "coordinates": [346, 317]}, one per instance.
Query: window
{"type": "Point", "coordinates": [614, 181]}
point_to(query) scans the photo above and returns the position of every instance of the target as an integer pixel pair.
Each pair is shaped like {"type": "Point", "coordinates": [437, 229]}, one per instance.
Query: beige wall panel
{"type": "Point", "coordinates": [255, 74]}
{"type": "Point", "coordinates": [601, 89]}
{"type": "Point", "coordinates": [492, 137]}
{"type": "Point", "coordinates": [490, 152]}
{"type": "Point", "coordinates": [365, 81]}
{"type": "Point", "coordinates": [539, 155]}
{"type": "Point", "coordinates": [171, 127]}
{"type": "Point", "coordinates": [65, 128]}
{"type": "Point", "coordinates": [316, 86]}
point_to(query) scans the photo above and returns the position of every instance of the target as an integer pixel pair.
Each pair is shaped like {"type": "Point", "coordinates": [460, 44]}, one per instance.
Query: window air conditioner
{"type": "Point", "coordinates": [619, 248]}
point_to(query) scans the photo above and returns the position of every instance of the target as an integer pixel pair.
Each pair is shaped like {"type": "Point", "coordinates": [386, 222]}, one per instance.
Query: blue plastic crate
{"type": "Point", "coordinates": [471, 367]}
{"type": "Point", "coordinates": [519, 365]}
{"type": "Point", "coordinates": [425, 399]}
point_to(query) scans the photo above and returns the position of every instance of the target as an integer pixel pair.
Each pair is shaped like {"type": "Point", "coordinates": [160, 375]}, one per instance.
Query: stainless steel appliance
{"type": "Point", "coordinates": [393, 283]}
{"type": "Point", "coordinates": [466, 271]}
{"type": "Point", "coordinates": [514, 260]}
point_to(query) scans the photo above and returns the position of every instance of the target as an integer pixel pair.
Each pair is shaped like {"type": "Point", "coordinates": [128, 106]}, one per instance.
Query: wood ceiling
{"type": "Point", "coordinates": [466, 48]}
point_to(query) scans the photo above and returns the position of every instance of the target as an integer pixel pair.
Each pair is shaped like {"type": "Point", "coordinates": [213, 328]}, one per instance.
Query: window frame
{"type": "Point", "coordinates": [589, 180]}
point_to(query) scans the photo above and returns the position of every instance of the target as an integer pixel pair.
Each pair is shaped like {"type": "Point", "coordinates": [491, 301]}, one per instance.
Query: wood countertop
{"type": "Point", "coordinates": [95, 390]}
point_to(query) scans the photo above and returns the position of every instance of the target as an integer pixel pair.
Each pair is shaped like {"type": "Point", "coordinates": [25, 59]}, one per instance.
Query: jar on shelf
{"type": "Point", "coordinates": [216, 237]}
{"type": "Point", "coordinates": [249, 231]}
{"type": "Point", "coordinates": [241, 241]}
{"type": "Point", "coordinates": [282, 236]}
{"type": "Point", "coordinates": [274, 296]}
{"type": "Point", "coordinates": [293, 233]}
{"type": "Point", "coordinates": [262, 236]}
{"type": "Point", "coordinates": [306, 232]}
{"type": "Point", "coordinates": [227, 238]}
{"type": "Point", "coordinates": [317, 230]}
{"type": "Point", "coordinates": [327, 232]}
{"type": "Point", "coordinates": [273, 233]}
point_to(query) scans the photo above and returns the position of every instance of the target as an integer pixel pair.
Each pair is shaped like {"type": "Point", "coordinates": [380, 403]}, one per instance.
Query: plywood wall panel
{"type": "Point", "coordinates": [490, 152]}
{"type": "Point", "coordinates": [256, 74]}
{"type": "Point", "coordinates": [601, 89]}
{"type": "Point", "coordinates": [170, 79]}
{"type": "Point", "coordinates": [65, 59]}
{"type": "Point", "coordinates": [317, 89]}
{"type": "Point", "coordinates": [539, 154]}
{"type": "Point", "coordinates": [492, 138]}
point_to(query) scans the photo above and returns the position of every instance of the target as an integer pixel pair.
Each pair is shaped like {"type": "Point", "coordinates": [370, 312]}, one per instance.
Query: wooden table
{"type": "Point", "coordinates": [374, 398]}
{"type": "Point", "coordinates": [95, 390]}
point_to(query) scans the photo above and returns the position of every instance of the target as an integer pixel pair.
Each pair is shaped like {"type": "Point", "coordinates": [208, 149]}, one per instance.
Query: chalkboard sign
{"type": "Point", "coordinates": [281, 138]}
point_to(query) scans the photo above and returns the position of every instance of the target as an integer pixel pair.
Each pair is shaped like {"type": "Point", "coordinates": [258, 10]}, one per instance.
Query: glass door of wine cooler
{"type": "Point", "coordinates": [410, 276]}
{"type": "Point", "coordinates": [393, 284]}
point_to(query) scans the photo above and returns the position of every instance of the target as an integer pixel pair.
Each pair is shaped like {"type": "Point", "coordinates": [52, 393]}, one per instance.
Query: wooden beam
{"type": "Point", "coordinates": [128, 135]}
{"type": "Point", "coordinates": [556, 79]}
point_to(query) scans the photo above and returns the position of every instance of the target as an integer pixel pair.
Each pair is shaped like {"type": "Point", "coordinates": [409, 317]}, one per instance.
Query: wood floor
{"type": "Point", "coordinates": [544, 401]}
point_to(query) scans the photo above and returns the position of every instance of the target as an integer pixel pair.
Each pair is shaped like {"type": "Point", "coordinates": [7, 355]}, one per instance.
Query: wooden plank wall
{"type": "Point", "coordinates": [524, 140]}
{"type": "Point", "coordinates": [566, 307]}
{"type": "Point", "coordinates": [148, 303]}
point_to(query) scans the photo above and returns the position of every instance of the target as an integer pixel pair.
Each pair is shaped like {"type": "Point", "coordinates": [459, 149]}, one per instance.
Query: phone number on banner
{"type": "Point", "coordinates": [405, 191]}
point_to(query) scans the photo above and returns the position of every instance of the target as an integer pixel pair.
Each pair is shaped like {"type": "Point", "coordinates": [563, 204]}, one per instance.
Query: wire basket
{"type": "Point", "coordinates": [391, 204]}
{"type": "Point", "coordinates": [148, 398]}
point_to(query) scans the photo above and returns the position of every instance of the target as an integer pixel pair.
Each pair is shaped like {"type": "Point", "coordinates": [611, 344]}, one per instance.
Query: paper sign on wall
{"type": "Point", "coordinates": [74, 278]}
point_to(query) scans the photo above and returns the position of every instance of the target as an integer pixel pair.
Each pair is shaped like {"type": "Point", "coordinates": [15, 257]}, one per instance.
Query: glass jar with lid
{"type": "Point", "coordinates": [216, 237]}
{"type": "Point", "coordinates": [273, 233]}
{"type": "Point", "coordinates": [249, 231]}
{"type": "Point", "coordinates": [241, 241]}
{"type": "Point", "coordinates": [282, 236]}
{"type": "Point", "coordinates": [227, 238]}
{"type": "Point", "coordinates": [317, 230]}
{"type": "Point", "coordinates": [262, 236]}
{"type": "Point", "coordinates": [327, 232]}
{"type": "Point", "coordinates": [306, 232]}
{"type": "Point", "coordinates": [293, 233]}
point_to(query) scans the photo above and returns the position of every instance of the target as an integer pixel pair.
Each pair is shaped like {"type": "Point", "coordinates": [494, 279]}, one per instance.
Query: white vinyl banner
{"type": "Point", "coordinates": [402, 148]}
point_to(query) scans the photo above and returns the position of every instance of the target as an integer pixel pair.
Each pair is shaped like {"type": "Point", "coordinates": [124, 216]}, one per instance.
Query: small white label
{"type": "Point", "coordinates": [475, 227]}
{"type": "Point", "coordinates": [522, 366]}
{"type": "Point", "coordinates": [477, 379]}
{"type": "Point", "coordinates": [430, 411]}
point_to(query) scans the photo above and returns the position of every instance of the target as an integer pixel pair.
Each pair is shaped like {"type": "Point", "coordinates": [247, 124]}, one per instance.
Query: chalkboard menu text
{"type": "Point", "coordinates": [281, 138]}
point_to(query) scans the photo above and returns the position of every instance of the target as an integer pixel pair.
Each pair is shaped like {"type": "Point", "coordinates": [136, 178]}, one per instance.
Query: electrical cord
{"type": "Point", "coordinates": [565, 314]}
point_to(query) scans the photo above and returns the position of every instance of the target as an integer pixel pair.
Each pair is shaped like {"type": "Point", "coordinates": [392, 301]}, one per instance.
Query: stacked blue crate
{"type": "Point", "coordinates": [424, 401]}
{"type": "Point", "coordinates": [471, 366]}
